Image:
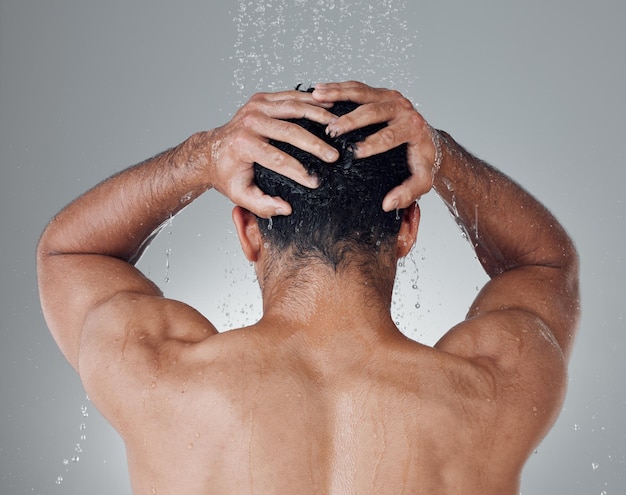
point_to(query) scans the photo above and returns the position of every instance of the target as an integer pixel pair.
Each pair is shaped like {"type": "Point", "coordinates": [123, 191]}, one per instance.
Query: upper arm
{"type": "Point", "coordinates": [521, 328]}
{"type": "Point", "coordinates": [549, 295]}
{"type": "Point", "coordinates": [519, 331]}
{"type": "Point", "coordinates": [71, 286]}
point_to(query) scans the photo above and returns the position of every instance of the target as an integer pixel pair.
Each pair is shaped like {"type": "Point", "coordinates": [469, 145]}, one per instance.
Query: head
{"type": "Point", "coordinates": [342, 221]}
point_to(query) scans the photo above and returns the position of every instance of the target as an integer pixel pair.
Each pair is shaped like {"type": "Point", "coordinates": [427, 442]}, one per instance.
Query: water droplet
{"type": "Point", "coordinates": [270, 224]}
{"type": "Point", "coordinates": [594, 465]}
{"type": "Point", "coordinates": [75, 459]}
{"type": "Point", "coordinates": [166, 278]}
{"type": "Point", "coordinates": [84, 411]}
{"type": "Point", "coordinates": [59, 480]}
{"type": "Point", "coordinates": [66, 462]}
{"type": "Point", "coordinates": [82, 427]}
{"type": "Point", "coordinates": [417, 305]}
{"type": "Point", "coordinates": [576, 427]}
{"type": "Point", "coordinates": [78, 448]}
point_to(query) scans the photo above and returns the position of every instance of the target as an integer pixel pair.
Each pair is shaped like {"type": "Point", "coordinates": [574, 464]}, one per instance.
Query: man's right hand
{"type": "Point", "coordinates": [231, 150]}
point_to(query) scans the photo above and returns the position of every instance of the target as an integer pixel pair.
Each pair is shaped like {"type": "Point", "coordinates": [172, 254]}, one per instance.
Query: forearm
{"type": "Point", "coordinates": [507, 226]}
{"type": "Point", "coordinates": [119, 215]}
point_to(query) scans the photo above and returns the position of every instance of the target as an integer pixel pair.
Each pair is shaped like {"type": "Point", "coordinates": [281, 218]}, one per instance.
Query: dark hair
{"type": "Point", "coordinates": [344, 214]}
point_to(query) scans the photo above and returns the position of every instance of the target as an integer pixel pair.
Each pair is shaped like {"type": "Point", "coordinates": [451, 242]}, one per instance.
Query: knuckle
{"type": "Point", "coordinates": [387, 136]}
{"type": "Point", "coordinates": [258, 97]}
{"type": "Point", "coordinates": [274, 157]}
{"type": "Point", "coordinates": [249, 118]}
{"type": "Point", "coordinates": [278, 159]}
{"type": "Point", "coordinates": [347, 120]}
{"type": "Point", "coordinates": [415, 120]}
{"type": "Point", "coordinates": [405, 102]}
{"type": "Point", "coordinates": [236, 139]}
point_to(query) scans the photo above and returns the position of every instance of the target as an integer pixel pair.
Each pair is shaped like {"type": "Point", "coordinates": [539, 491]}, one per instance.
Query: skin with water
{"type": "Point", "coordinates": [324, 394]}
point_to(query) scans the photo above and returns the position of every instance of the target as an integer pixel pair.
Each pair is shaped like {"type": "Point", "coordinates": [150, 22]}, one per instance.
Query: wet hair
{"type": "Point", "coordinates": [344, 214]}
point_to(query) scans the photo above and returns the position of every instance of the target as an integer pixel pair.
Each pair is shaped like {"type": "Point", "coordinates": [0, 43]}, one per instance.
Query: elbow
{"type": "Point", "coordinates": [47, 249]}
{"type": "Point", "coordinates": [570, 264]}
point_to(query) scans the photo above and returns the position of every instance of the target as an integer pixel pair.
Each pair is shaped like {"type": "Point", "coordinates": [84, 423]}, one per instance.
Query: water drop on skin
{"type": "Point", "coordinates": [270, 224]}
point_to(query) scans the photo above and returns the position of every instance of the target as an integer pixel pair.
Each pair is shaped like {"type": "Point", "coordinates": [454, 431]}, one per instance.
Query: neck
{"type": "Point", "coordinates": [352, 300]}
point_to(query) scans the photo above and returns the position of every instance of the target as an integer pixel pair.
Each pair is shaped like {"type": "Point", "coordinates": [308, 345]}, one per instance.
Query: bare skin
{"type": "Point", "coordinates": [323, 395]}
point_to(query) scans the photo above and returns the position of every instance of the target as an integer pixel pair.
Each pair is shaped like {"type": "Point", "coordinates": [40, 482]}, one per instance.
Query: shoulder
{"type": "Point", "coordinates": [131, 337]}
{"type": "Point", "coordinates": [510, 343]}
{"type": "Point", "coordinates": [525, 365]}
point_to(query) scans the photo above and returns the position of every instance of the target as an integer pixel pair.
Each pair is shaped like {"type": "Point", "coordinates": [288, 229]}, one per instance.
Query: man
{"type": "Point", "coordinates": [323, 395]}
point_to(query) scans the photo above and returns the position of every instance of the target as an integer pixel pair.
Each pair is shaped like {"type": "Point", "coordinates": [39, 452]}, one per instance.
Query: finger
{"type": "Point", "coordinates": [291, 133]}
{"type": "Point", "coordinates": [389, 108]}
{"type": "Point", "coordinates": [364, 115]}
{"type": "Point", "coordinates": [406, 193]}
{"type": "Point", "coordinates": [259, 203]}
{"type": "Point", "coordinates": [344, 91]}
{"type": "Point", "coordinates": [280, 162]}
{"type": "Point", "coordinates": [296, 109]}
{"type": "Point", "coordinates": [384, 140]}
{"type": "Point", "coordinates": [292, 95]}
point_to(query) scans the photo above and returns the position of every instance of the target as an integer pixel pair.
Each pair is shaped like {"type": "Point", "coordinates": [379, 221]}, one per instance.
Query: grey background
{"type": "Point", "coordinates": [87, 88]}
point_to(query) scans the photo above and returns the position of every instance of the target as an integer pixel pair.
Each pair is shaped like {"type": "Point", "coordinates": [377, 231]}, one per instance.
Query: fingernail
{"type": "Point", "coordinates": [392, 206]}
{"type": "Point", "coordinates": [281, 210]}
{"type": "Point", "coordinates": [332, 131]}
{"type": "Point", "coordinates": [314, 182]}
{"type": "Point", "coordinates": [332, 155]}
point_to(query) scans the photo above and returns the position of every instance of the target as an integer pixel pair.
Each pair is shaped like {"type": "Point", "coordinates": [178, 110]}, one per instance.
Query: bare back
{"type": "Point", "coordinates": [258, 411]}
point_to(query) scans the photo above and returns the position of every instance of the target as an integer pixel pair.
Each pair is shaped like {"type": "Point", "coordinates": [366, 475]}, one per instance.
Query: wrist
{"type": "Point", "coordinates": [449, 156]}
{"type": "Point", "coordinates": [193, 157]}
{"type": "Point", "coordinates": [436, 140]}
